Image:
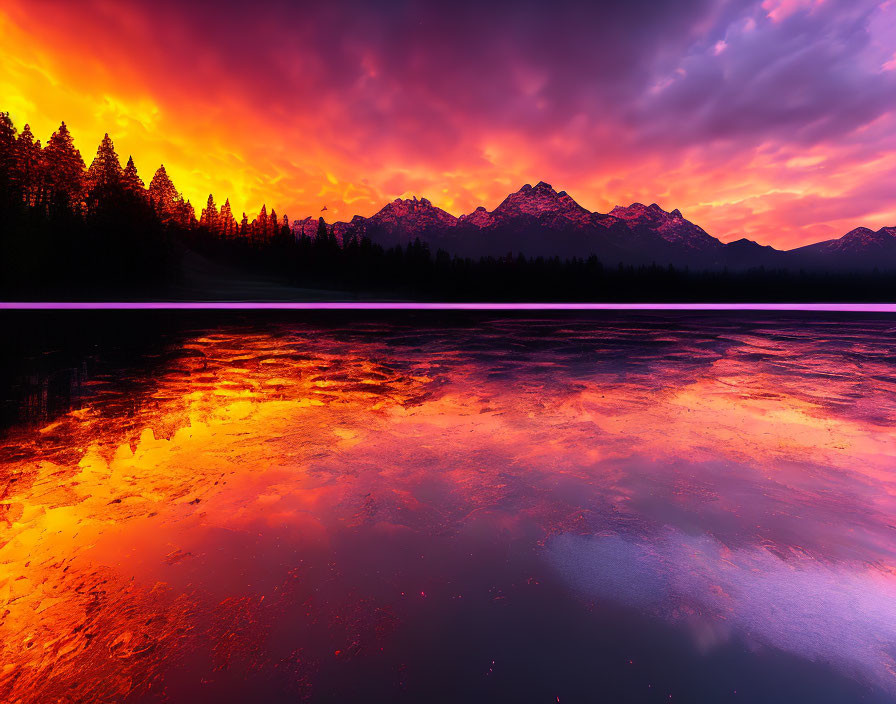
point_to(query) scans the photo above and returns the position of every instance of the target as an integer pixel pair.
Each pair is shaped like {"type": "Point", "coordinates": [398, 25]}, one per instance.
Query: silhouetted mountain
{"type": "Point", "coordinates": [540, 204]}
{"type": "Point", "coordinates": [860, 248]}
{"type": "Point", "coordinates": [671, 227]}
{"type": "Point", "coordinates": [401, 222]}
{"type": "Point", "coordinates": [102, 232]}
{"type": "Point", "coordinates": [541, 222]}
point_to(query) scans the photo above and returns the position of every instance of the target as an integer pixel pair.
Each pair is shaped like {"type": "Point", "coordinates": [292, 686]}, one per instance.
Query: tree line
{"type": "Point", "coordinates": [68, 230]}
{"type": "Point", "coordinates": [66, 226]}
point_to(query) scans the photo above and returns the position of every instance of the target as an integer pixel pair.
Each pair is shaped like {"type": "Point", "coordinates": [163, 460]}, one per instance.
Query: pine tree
{"type": "Point", "coordinates": [227, 223]}
{"type": "Point", "coordinates": [26, 167]}
{"type": "Point", "coordinates": [7, 136]}
{"type": "Point", "coordinates": [260, 226]}
{"type": "Point", "coordinates": [164, 197]}
{"type": "Point", "coordinates": [244, 226]}
{"type": "Point", "coordinates": [64, 170]}
{"type": "Point", "coordinates": [104, 174]}
{"type": "Point", "coordinates": [186, 213]}
{"type": "Point", "coordinates": [161, 190]}
{"type": "Point", "coordinates": [131, 180]}
{"type": "Point", "coordinates": [209, 218]}
{"type": "Point", "coordinates": [7, 152]}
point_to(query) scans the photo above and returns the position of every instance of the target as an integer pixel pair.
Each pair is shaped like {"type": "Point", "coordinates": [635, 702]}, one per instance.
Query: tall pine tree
{"type": "Point", "coordinates": [164, 197]}
{"type": "Point", "coordinates": [209, 217]}
{"type": "Point", "coordinates": [104, 177]}
{"type": "Point", "coordinates": [64, 169]}
{"type": "Point", "coordinates": [7, 154]}
{"type": "Point", "coordinates": [186, 214]}
{"type": "Point", "coordinates": [7, 139]}
{"type": "Point", "coordinates": [105, 169]}
{"type": "Point", "coordinates": [228, 224]}
{"type": "Point", "coordinates": [260, 228]}
{"type": "Point", "coordinates": [131, 180]}
{"type": "Point", "coordinates": [26, 167]}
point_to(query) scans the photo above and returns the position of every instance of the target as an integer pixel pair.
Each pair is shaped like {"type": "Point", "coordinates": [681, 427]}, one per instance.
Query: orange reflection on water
{"type": "Point", "coordinates": [87, 479]}
{"type": "Point", "coordinates": [137, 535]}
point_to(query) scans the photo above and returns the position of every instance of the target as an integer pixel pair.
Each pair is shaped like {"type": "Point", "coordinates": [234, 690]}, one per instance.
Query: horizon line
{"type": "Point", "coordinates": [444, 306]}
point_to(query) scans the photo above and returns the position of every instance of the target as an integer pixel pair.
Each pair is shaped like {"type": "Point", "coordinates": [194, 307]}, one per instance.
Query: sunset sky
{"type": "Point", "coordinates": [771, 119]}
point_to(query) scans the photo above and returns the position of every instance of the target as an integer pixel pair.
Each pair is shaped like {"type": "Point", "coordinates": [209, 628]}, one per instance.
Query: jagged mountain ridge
{"type": "Point", "coordinates": [539, 221]}
{"type": "Point", "coordinates": [861, 239]}
{"type": "Point", "coordinates": [861, 248]}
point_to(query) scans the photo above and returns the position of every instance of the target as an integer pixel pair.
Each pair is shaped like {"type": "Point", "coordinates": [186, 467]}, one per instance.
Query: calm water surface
{"type": "Point", "coordinates": [601, 509]}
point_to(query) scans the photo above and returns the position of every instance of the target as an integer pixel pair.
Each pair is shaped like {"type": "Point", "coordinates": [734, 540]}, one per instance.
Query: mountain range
{"type": "Point", "coordinates": [539, 221]}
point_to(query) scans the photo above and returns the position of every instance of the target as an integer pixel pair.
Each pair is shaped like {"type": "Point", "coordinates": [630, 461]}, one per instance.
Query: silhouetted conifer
{"type": "Point", "coordinates": [165, 199]}
{"type": "Point", "coordinates": [227, 223]}
{"type": "Point", "coordinates": [64, 170]}
{"type": "Point", "coordinates": [209, 218]}
{"type": "Point", "coordinates": [104, 177]}
{"type": "Point", "coordinates": [7, 153]}
{"type": "Point", "coordinates": [131, 179]}
{"type": "Point", "coordinates": [271, 229]}
{"type": "Point", "coordinates": [7, 139]}
{"type": "Point", "coordinates": [260, 226]}
{"type": "Point", "coordinates": [186, 213]}
{"type": "Point", "coordinates": [25, 176]}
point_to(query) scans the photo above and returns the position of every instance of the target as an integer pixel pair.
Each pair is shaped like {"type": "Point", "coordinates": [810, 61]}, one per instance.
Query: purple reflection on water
{"type": "Point", "coordinates": [400, 305]}
{"type": "Point", "coordinates": [499, 508]}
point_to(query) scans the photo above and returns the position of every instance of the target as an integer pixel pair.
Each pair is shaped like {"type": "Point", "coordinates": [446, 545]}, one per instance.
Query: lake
{"type": "Point", "coordinates": [455, 507]}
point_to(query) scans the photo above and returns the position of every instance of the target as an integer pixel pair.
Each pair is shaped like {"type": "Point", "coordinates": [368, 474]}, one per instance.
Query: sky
{"type": "Point", "coordinates": [768, 119]}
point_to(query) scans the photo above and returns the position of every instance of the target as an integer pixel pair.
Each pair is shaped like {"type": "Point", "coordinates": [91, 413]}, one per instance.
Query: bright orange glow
{"type": "Point", "coordinates": [296, 129]}
{"type": "Point", "coordinates": [118, 520]}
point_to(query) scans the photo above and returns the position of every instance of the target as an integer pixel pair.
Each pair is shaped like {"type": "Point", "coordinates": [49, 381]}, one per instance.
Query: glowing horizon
{"type": "Point", "coordinates": [773, 120]}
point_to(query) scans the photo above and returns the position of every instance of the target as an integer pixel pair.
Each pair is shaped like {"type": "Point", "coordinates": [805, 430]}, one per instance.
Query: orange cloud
{"type": "Point", "coordinates": [328, 108]}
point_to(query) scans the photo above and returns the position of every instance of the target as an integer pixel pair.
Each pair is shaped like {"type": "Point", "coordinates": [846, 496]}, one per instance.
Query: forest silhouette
{"type": "Point", "coordinates": [70, 231]}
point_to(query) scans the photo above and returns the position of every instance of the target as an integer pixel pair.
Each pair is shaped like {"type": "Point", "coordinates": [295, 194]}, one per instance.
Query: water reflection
{"type": "Point", "coordinates": [505, 508]}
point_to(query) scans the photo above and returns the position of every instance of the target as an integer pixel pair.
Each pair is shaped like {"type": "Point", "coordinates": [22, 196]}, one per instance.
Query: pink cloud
{"type": "Point", "coordinates": [704, 106]}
